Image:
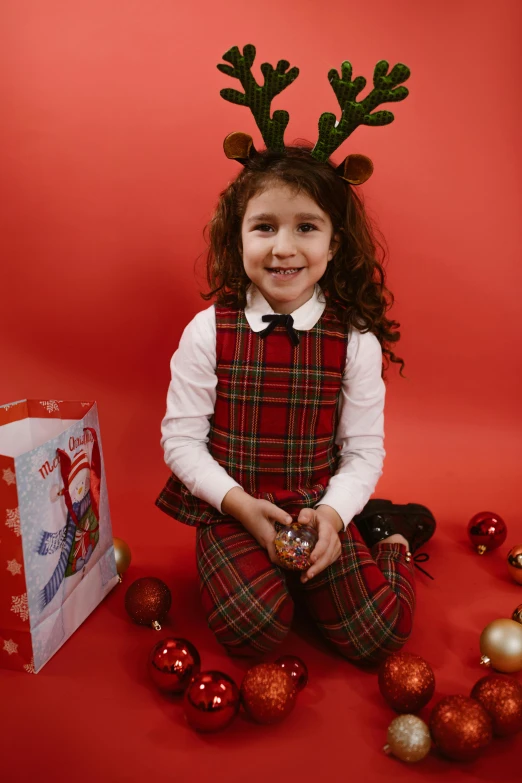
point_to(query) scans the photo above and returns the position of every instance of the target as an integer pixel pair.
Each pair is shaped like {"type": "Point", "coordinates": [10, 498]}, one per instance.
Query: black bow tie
{"type": "Point", "coordinates": [286, 320]}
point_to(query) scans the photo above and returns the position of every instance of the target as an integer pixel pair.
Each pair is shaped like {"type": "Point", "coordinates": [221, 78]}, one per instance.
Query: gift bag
{"type": "Point", "coordinates": [57, 557]}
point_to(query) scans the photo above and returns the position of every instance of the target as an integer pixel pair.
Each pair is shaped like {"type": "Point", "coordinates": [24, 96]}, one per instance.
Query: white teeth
{"type": "Point", "coordinates": [285, 271]}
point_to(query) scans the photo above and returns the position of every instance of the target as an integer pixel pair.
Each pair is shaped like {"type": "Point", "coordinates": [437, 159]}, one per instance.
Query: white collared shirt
{"type": "Point", "coordinates": [192, 394]}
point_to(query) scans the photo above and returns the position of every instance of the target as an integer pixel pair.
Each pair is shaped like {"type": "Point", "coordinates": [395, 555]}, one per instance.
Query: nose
{"type": "Point", "coordinates": [284, 244]}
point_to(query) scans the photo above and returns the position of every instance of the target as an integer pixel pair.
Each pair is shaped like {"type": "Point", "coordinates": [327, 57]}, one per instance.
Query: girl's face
{"type": "Point", "coordinates": [285, 231]}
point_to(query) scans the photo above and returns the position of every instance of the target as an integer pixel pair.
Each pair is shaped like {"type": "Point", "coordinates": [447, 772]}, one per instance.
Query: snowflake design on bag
{"type": "Point", "coordinates": [50, 405]}
{"type": "Point", "coordinates": [10, 647]}
{"type": "Point", "coordinates": [9, 477]}
{"type": "Point", "coordinates": [29, 667]}
{"type": "Point", "coordinates": [20, 606]}
{"type": "Point", "coordinates": [12, 520]}
{"type": "Point", "coordinates": [38, 457]}
{"type": "Point", "coordinates": [14, 567]}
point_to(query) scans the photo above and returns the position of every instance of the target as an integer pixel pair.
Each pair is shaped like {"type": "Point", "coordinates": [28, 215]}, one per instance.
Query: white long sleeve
{"type": "Point", "coordinates": [192, 395]}
{"type": "Point", "coordinates": [360, 431]}
{"type": "Point", "coordinates": [190, 405]}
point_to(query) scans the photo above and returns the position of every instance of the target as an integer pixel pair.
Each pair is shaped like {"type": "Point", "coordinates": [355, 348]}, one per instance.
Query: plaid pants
{"type": "Point", "coordinates": [363, 603]}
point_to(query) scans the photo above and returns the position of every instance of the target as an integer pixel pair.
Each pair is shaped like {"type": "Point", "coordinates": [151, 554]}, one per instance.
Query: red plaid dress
{"type": "Point", "coordinates": [275, 416]}
{"type": "Point", "coordinates": [273, 430]}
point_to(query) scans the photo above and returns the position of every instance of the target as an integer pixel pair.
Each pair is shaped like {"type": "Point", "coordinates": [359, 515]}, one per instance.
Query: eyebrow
{"type": "Point", "coordinates": [299, 216]}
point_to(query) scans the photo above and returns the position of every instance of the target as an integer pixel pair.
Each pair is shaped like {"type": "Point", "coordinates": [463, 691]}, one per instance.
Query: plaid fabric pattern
{"type": "Point", "coordinates": [363, 606]}
{"type": "Point", "coordinates": [275, 417]}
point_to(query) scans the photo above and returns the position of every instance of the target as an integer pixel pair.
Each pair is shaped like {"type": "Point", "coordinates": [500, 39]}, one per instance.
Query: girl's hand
{"type": "Point", "coordinates": [328, 524]}
{"type": "Point", "coordinates": [258, 517]}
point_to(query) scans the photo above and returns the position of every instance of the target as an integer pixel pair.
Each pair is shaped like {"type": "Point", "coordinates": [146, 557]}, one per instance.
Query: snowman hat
{"type": "Point", "coordinates": [80, 462]}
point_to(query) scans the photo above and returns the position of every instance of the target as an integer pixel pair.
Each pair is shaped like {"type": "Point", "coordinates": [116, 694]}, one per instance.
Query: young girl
{"type": "Point", "coordinates": [275, 415]}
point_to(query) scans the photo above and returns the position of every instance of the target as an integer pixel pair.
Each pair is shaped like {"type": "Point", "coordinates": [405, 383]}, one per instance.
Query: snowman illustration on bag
{"type": "Point", "coordinates": [79, 536]}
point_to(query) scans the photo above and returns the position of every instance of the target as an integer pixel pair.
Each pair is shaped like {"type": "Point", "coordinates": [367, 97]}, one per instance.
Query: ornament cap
{"type": "Point", "coordinates": [481, 549]}
{"type": "Point", "coordinates": [387, 750]}
{"type": "Point", "coordinates": [156, 625]}
{"type": "Point", "coordinates": [485, 661]}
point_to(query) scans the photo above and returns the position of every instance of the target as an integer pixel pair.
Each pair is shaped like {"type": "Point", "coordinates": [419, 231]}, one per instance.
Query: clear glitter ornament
{"type": "Point", "coordinates": [294, 545]}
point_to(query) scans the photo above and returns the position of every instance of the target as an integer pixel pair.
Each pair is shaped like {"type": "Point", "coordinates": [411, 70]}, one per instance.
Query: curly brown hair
{"type": "Point", "coordinates": [354, 280]}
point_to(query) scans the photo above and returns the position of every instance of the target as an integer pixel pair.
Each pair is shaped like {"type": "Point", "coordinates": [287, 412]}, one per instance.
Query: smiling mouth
{"type": "Point", "coordinates": [275, 272]}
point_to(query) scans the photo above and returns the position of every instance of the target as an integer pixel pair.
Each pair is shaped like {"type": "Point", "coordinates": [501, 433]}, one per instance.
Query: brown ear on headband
{"type": "Point", "coordinates": [239, 146]}
{"type": "Point", "coordinates": [355, 169]}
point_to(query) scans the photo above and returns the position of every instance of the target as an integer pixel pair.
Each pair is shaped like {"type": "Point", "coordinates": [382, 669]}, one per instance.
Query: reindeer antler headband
{"type": "Point", "coordinates": [355, 169]}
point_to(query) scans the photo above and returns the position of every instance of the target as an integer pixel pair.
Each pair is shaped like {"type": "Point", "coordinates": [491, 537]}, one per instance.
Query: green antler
{"type": "Point", "coordinates": [354, 112]}
{"type": "Point", "coordinates": [257, 97]}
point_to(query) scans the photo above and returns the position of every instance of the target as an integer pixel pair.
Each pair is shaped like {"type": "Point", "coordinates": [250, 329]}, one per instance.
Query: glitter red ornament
{"type": "Point", "coordinates": [268, 693]}
{"type": "Point", "coordinates": [172, 664]}
{"type": "Point", "coordinates": [501, 697]}
{"type": "Point", "coordinates": [148, 601]}
{"type": "Point", "coordinates": [296, 670]}
{"type": "Point", "coordinates": [406, 681]}
{"type": "Point", "coordinates": [486, 531]}
{"type": "Point", "coordinates": [460, 728]}
{"type": "Point", "coordinates": [211, 701]}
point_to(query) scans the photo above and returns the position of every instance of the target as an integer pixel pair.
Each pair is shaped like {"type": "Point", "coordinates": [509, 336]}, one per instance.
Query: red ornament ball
{"type": "Point", "coordinates": [172, 664]}
{"type": "Point", "coordinates": [514, 563]}
{"type": "Point", "coordinates": [486, 531]}
{"type": "Point", "coordinates": [296, 670]}
{"type": "Point", "coordinates": [501, 697]}
{"type": "Point", "coordinates": [406, 681]}
{"type": "Point", "coordinates": [211, 701]}
{"type": "Point", "coordinates": [148, 601]}
{"type": "Point", "coordinates": [460, 728]}
{"type": "Point", "coordinates": [268, 693]}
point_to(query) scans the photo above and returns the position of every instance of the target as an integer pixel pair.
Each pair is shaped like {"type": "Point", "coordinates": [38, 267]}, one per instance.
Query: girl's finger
{"type": "Point", "coordinates": [323, 561]}
{"type": "Point", "coordinates": [323, 543]}
{"type": "Point", "coordinates": [306, 516]}
{"type": "Point", "coordinates": [272, 553]}
{"type": "Point", "coordinates": [320, 548]}
{"type": "Point", "coordinates": [283, 518]}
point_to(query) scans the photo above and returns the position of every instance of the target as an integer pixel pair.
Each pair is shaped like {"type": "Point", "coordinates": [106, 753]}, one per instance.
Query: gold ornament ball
{"type": "Point", "coordinates": [514, 562]}
{"type": "Point", "coordinates": [408, 738]}
{"type": "Point", "coordinates": [517, 614]}
{"type": "Point", "coordinates": [123, 555]}
{"type": "Point", "coordinates": [501, 645]}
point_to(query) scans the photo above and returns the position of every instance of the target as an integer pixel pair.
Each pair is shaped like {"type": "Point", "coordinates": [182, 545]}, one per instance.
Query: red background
{"type": "Point", "coordinates": [111, 149]}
